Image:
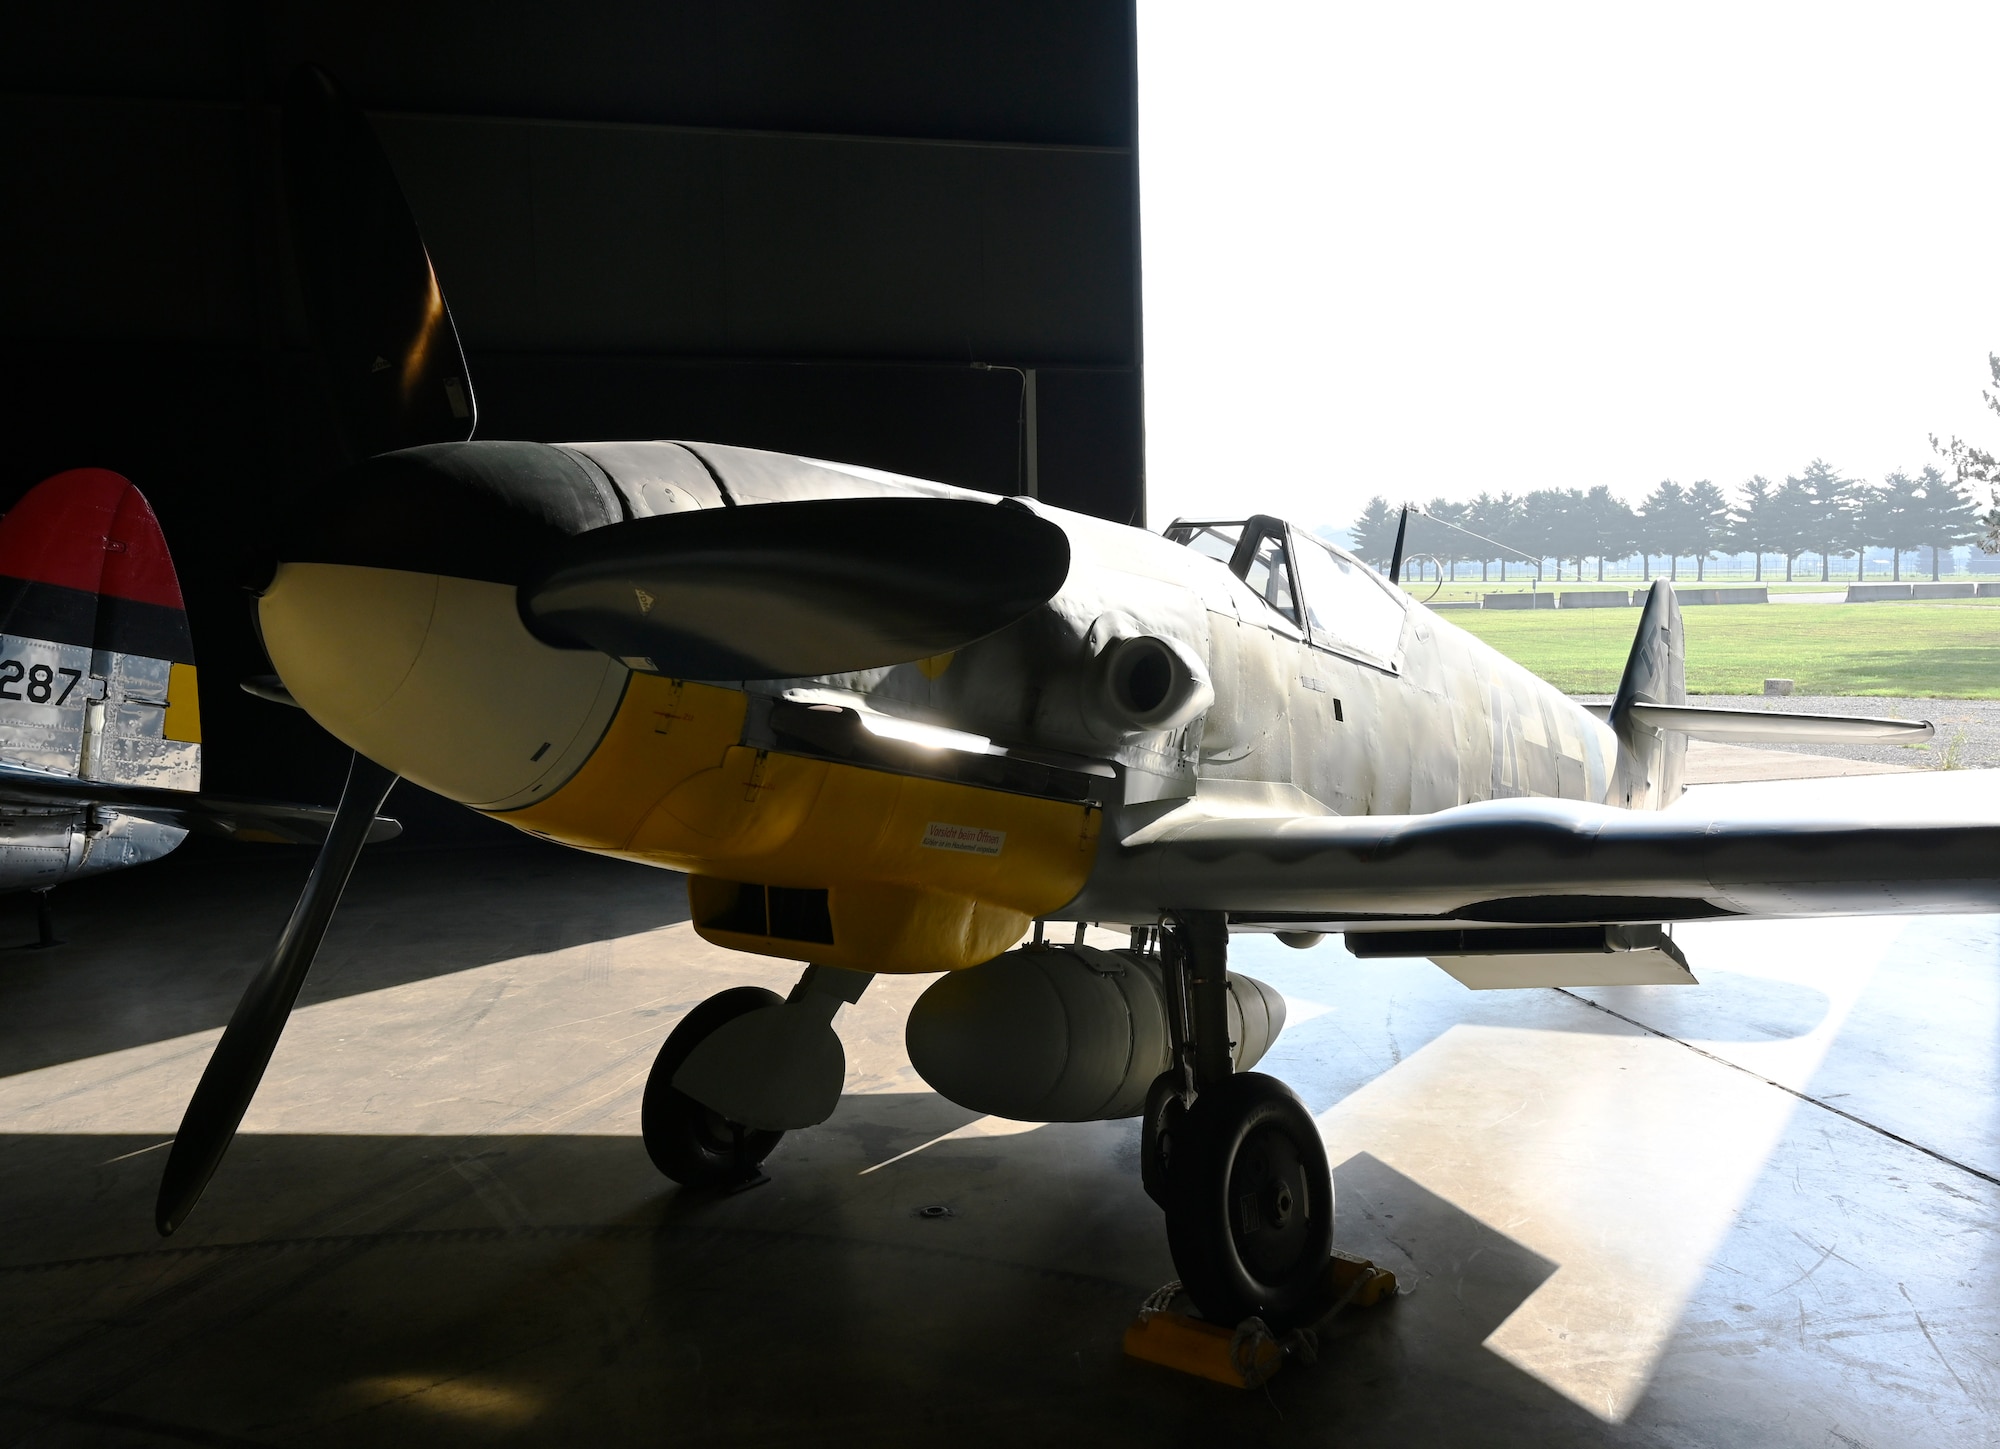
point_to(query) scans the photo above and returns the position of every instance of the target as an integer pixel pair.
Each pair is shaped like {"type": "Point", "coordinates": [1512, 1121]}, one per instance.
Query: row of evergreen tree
{"type": "Point", "coordinates": [1818, 513]}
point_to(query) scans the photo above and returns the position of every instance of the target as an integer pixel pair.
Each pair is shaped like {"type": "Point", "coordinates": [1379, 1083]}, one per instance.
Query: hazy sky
{"type": "Point", "coordinates": [1424, 249]}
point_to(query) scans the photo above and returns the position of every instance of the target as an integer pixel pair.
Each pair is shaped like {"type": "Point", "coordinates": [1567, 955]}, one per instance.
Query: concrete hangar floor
{"type": "Point", "coordinates": [1762, 1213]}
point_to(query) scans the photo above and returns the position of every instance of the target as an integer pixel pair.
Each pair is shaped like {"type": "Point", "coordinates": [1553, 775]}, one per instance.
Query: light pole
{"type": "Point", "coordinates": [1027, 472]}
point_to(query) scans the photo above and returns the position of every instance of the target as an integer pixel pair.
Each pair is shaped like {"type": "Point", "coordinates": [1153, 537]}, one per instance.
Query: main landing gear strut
{"type": "Point", "coordinates": [1233, 1157]}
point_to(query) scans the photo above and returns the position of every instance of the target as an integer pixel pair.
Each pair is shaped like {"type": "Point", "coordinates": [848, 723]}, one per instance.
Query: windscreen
{"type": "Point", "coordinates": [1348, 607]}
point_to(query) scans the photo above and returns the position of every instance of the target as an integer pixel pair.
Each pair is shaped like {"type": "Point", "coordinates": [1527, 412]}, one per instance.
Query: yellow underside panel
{"type": "Point", "coordinates": [919, 875]}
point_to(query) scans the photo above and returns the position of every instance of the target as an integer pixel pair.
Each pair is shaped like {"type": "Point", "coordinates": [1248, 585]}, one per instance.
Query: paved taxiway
{"type": "Point", "coordinates": [1763, 1211]}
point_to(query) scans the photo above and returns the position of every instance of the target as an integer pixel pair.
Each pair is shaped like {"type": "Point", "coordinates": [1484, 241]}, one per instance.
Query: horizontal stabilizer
{"type": "Point", "coordinates": [270, 821]}
{"type": "Point", "coordinates": [1741, 726]}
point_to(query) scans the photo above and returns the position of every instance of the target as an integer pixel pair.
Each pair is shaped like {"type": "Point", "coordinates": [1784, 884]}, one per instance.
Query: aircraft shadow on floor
{"type": "Point", "coordinates": [163, 951]}
{"type": "Point", "coordinates": [418, 1290]}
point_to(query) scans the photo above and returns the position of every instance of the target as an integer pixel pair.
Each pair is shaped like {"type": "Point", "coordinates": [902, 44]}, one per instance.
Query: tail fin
{"type": "Point", "coordinates": [1651, 762]}
{"type": "Point", "coordinates": [96, 663]}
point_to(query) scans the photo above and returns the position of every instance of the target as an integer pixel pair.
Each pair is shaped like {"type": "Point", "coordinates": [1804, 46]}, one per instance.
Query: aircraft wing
{"type": "Point", "coordinates": [269, 821]}
{"type": "Point", "coordinates": [1896, 844]}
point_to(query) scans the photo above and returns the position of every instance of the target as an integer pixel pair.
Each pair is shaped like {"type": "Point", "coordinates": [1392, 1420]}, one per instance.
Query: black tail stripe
{"type": "Point", "coordinates": [33, 610]}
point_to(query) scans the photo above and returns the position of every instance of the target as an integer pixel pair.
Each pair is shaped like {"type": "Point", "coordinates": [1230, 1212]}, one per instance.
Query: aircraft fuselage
{"type": "Point", "coordinates": [916, 817]}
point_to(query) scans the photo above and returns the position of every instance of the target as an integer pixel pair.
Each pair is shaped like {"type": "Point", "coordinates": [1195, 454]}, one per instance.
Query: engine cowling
{"type": "Point", "coordinates": [1065, 1033]}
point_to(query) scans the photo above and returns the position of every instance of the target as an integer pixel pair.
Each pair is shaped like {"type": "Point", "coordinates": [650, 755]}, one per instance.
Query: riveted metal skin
{"type": "Point", "coordinates": [100, 710]}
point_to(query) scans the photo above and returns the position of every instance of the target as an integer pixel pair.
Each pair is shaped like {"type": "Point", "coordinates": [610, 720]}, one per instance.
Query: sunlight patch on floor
{"type": "Point", "coordinates": [1617, 1155]}
{"type": "Point", "coordinates": [983, 1127]}
{"type": "Point", "coordinates": [468, 1402]}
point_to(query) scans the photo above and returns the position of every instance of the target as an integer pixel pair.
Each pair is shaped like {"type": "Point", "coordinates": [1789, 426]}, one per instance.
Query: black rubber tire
{"type": "Point", "coordinates": [1158, 1123]}
{"type": "Point", "coordinates": [689, 1143]}
{"type": "Point", "coordinates": [1250, 1205]}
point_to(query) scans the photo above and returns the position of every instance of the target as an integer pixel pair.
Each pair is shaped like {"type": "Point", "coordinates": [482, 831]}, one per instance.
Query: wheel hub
{"type": "Point", "coordinates": [1278, 1203]}
{"type": "Point", "coordinates": [1268, 1190]}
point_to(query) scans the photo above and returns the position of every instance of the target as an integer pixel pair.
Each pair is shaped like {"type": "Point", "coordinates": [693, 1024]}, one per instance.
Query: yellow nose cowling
{"type": "Point", "coordinates": [810, 859]}
{"type": "Point", "coordinates": [437, 679]}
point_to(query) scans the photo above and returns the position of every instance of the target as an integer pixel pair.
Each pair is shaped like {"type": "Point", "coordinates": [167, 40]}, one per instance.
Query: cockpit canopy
{"type": "Point", "coordinates": [1323, 591]}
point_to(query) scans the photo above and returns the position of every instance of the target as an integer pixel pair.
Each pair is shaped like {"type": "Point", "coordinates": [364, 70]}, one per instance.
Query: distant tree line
{"type": "Point", "coordinates": [1977, 465]}
{"type": "Point", "coordinates": [1818, 513]}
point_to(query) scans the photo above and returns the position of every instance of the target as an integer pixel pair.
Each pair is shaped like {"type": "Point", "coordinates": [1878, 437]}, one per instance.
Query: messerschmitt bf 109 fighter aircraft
{"type": "Point", "coordinates": [887, 726]}
{"type": "Point", "coordinates": [100, 727]}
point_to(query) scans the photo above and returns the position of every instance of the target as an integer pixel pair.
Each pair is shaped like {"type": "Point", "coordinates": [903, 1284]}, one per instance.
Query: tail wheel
{"type": "Point", "coordinates": [691, 1144]}
{"type": "Point", "coordinates": [1250, 1204]}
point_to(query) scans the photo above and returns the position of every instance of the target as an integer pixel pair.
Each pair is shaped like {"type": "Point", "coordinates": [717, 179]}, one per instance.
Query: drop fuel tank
{"type": "Point", "coordinates": [1065, 1033]}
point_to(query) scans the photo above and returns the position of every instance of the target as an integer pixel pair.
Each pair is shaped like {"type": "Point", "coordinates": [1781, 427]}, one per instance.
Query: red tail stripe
{"type": "Point", "coordinates": [90, 529]}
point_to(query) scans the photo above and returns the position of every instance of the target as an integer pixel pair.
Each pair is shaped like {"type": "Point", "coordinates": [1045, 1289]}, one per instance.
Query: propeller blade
{"type": "Point", "coordinates": [379, 321]}
{"type": "Point", "coordinates": [230, 1079]}
{"type": "Point", "coordinates": [785, 590]}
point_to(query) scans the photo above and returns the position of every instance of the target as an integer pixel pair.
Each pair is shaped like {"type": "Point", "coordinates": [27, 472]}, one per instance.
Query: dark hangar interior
{"type": "Point", "coordinates": [779, 225]}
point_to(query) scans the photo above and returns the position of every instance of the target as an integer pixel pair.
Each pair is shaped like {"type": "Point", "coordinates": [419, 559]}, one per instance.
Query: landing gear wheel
{"type": "Point", "coordinates": [694, 1146]}
{"type": "Point", "coordinates": [1250, 1204]}
{"type": "Point", "coordinates": [1157, 1126]}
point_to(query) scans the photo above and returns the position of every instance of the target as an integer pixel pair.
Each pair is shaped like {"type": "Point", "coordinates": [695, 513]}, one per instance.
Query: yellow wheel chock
{"type": "Point", "coordinates": [1247, 1355]}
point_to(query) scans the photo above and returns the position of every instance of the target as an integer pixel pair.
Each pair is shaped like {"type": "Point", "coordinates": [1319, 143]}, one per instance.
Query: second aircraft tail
{"type": "Point", "coordinates": [97, 673]}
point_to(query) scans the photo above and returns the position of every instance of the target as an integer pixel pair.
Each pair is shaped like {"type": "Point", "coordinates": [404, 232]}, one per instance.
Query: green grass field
{"type": "Point", "coordinates": [1946, 651]}
{"type": "Point", "coordinates": [1428, 592]}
